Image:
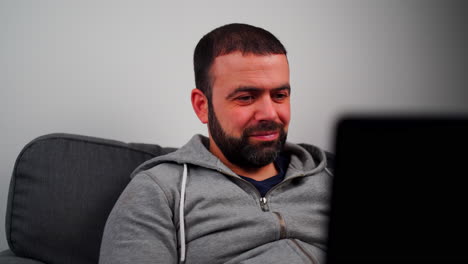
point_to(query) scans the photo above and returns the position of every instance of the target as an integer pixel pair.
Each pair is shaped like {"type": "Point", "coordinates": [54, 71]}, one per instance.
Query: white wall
{"type": "Point", "coordinates": [123, 69]}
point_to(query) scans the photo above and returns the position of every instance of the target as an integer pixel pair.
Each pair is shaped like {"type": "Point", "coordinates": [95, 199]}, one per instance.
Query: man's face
{"type": "Point", "coordinates": [249, 111]}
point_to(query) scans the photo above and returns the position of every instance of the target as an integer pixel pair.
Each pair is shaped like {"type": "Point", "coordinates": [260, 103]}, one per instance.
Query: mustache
{"type": "Point", "coordinates": [264, 126]}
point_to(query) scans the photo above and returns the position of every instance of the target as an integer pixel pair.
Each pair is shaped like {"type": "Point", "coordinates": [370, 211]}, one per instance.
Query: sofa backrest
{"type": "Point", "coordinates": [62, 189]}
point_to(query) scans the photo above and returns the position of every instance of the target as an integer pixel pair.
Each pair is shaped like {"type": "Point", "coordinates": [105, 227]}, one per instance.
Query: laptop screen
{"type": "Point", "coordinates": [399, 193]}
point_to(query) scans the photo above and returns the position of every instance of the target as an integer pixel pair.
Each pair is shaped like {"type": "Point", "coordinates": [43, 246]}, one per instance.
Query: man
{"type": "Point", "coordinates": [242, 195]}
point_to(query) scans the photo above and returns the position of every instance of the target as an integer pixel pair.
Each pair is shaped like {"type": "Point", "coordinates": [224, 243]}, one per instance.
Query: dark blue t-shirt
{"type": "Point", "coordinates": [281, 164]}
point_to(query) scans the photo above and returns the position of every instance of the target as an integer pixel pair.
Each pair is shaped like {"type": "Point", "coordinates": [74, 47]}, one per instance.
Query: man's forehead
{"type": "Point", "coordinates": [251, 69]}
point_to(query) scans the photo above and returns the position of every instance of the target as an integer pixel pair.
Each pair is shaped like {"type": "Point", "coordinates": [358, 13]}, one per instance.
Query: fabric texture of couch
{"type": "Point", "coordinates": [62, 189]}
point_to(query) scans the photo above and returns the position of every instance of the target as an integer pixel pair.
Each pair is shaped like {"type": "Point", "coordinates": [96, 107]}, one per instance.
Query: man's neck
{"type": "Point", "coordinates": [258, 174]}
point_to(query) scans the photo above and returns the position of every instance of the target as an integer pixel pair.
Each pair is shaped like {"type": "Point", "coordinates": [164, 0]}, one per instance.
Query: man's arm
{"type": "Point", "coordinates": [140, 227]}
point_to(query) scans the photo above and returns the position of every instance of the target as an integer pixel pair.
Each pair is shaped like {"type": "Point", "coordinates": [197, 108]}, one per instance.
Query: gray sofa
{"type": "Point", "coordinates": [62, 189]}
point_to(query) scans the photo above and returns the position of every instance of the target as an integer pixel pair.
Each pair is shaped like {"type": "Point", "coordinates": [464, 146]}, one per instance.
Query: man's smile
{"type": "Point", "coordinates": [265, 135]}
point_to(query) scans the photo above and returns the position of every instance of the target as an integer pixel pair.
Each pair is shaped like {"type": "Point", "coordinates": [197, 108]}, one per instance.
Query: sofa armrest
{"type": "Point", "coordinates": [8, 257]}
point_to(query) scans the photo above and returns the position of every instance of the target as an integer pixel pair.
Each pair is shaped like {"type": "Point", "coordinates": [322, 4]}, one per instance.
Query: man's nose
{"type": "Point", "coordinates": [266, 109]}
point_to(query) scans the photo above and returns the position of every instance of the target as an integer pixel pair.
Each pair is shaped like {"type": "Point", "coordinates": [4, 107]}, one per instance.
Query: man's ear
{"type": "Point", "coordinates": [200, 105]}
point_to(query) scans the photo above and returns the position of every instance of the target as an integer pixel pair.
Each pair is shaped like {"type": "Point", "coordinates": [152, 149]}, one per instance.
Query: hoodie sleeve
{"type": "Point", "coordinates": [139, 228]}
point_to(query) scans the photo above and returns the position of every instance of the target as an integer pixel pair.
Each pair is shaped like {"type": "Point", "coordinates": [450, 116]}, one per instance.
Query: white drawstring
{"type": "Point", "coordinates": [181, 215]}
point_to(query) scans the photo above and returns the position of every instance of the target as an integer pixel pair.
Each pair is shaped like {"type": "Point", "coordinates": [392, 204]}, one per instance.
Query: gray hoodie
{"type": "Point", "coordinates": [221, 218]}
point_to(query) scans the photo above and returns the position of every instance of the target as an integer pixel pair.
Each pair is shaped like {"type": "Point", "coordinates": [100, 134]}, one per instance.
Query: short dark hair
{"type": "Point", "coordinates": [225, 40]}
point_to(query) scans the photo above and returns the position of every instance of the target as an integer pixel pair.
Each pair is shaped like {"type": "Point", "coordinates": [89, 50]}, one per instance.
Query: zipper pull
{"type": "Point", "coordinates": [264, 204]}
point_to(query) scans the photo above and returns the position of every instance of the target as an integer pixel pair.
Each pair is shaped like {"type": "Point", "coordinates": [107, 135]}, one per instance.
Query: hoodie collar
{"type": "Point", "coordinates": [196, 152]}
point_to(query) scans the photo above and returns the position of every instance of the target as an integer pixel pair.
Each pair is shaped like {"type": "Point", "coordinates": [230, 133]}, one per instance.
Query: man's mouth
{"type": "Point", "coordinates": [265, 136]}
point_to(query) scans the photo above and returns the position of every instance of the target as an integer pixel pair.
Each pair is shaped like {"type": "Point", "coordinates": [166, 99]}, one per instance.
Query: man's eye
{"type": "Point", "coordinates": [280, 96]}
{"type": "Point", "coordinates": [245, 99]}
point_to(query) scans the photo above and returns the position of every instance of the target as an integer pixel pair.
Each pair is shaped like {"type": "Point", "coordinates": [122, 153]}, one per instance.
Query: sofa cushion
{"type": "Point", "coordinates": [62, 189]}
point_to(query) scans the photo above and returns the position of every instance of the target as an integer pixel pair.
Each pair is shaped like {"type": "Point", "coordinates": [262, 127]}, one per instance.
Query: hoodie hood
{"type": "Point", "coordinates": [196, 152]}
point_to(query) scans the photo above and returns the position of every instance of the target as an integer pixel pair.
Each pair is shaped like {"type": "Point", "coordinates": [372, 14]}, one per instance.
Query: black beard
{"type": "Point", "coordinates": [240, 151]}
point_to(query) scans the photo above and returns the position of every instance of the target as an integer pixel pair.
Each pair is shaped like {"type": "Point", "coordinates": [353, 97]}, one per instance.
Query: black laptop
{"type": "Point", "coordinates": [400, 193]}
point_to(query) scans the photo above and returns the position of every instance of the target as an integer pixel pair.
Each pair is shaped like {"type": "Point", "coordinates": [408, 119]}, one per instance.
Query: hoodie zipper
{"type": "Point", "coordinates": [263, 200]}
{"type": "Point", "coordinates": [282, 225]}
{"type": "Point", "coordinates": [312, 260]}
{"type": "Point", "coordinates": [264, 206]}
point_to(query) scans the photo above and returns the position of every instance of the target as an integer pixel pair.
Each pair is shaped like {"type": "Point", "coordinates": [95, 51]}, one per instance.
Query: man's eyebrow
{"type": "Point", "coordinates": [255, 89]}
{"type": "Point", "coordinates": [283, 87]}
